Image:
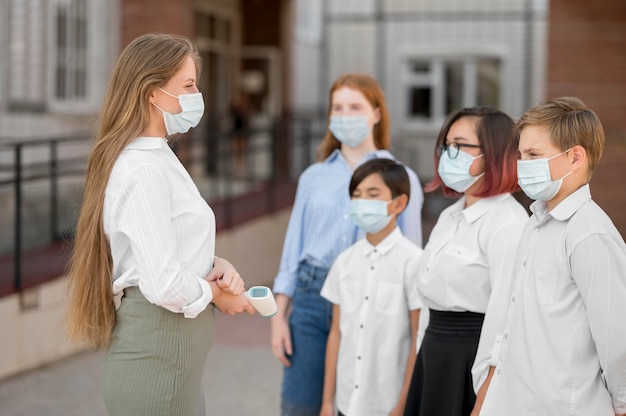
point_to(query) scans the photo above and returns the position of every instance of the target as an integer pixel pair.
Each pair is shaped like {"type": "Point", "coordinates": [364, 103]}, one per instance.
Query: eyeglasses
{"type": "Point", "coordinates": [454, 148]}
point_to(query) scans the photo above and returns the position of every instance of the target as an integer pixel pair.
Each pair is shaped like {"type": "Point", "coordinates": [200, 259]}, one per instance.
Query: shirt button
{"type": "Point", "coordinates": [372, 268]}
{"type": "Point", "coordinates": [358, 358]}
{"type": "Point", "coordinates": [361, 326]}
{"type": "Point", "coordinates": [356, 387]}
{"type": "Point", "coordinates": [524, 263]}
{"type": "Point", "coordinates": [367, 297]}
{"type": "Point", "coordinates": [512, 298]}
{"type": "Point", "coordinates": [506, 336]}
{"type": "Point", "coordinates": [375, 251]}
{"type": "Point", "coordinates": [498, 371]}
{"type": "Point", "coordinates": [345, 217]}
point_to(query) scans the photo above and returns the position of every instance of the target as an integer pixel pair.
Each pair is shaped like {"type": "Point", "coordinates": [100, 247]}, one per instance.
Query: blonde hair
{"type": "Point", "coordinates": [569, 123]}
{"type": "Point", "coordinates": [148, 62]}
{"type": "Point", "coordinates": [372, 92]}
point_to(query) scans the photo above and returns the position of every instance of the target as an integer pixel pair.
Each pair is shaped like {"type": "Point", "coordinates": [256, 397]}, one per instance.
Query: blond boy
{"type": "Point", "coordinates": [563, 351]}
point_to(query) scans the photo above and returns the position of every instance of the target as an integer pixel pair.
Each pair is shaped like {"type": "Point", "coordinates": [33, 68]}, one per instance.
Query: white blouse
{"type": "Point", "coordinates": [160, 229]}
{"type": "Point", "coordinates": [467, 264]}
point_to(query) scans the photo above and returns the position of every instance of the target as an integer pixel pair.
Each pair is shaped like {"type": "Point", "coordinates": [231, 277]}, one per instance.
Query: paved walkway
{"type": "Point", "coordinates": [241, 378]}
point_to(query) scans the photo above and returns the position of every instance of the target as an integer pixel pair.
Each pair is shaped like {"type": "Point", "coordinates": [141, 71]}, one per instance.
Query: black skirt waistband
{"type": "Point", "coordinates": [455, 322]}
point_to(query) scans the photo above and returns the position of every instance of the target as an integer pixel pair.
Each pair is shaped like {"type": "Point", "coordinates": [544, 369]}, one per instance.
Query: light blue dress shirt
{"type": "Point", "coordinates": [320, 226]}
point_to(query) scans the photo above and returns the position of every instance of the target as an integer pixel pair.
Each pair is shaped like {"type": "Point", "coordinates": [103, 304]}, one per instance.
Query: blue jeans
{"type": "Point", "coordinates": [309, 323]}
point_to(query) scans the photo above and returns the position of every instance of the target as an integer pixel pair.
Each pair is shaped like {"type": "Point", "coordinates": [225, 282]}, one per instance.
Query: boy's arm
{"type": "Point", "coordinates": [330, 371]}
{"type": "Point", "coordinates": [598, 266]}
{"type": "Point", "coordinates": [414, 316]}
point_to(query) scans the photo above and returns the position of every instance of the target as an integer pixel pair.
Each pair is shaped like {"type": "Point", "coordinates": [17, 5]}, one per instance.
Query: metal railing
{"type": "Point", "coordinates": [46, 165]}
{"type": "Point", "coordinates": [274, 151]}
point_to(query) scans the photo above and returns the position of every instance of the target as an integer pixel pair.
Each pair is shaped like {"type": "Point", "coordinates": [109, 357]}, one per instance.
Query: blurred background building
{"type": "Point", "coordinates": [268, 65]}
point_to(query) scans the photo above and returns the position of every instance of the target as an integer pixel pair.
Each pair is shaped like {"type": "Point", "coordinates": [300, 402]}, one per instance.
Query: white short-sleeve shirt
{"type": "Point", "coordinates": [160, 229]}
{"type": "Point", "coordinates": [376, 288]}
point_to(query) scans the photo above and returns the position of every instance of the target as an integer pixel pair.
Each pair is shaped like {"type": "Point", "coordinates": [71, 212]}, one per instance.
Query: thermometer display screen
{"type": "Point", "coordinates": [258, 292]}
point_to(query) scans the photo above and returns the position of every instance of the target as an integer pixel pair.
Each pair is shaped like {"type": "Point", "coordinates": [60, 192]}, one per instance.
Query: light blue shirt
{"type": "Point", "coordinates": [320, 226]}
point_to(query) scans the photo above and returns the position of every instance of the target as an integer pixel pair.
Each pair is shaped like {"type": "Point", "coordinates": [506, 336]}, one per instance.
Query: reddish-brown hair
{"type": "Point", "coordinates": [498, 141]}
{"type": "Point", "coordinates": [372, 92]}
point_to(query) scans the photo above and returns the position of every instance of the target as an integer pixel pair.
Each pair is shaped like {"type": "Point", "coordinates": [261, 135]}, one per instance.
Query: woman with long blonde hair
{"type": "Point", "coordinates": [320, 228]}
{"type": "Point", "coordinates": [143, 271]}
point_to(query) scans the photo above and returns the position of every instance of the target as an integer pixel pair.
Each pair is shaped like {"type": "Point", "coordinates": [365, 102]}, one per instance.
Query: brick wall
{"type": "Point", "coordinates": [587, 59]}
{"type": "Point", "coordinates": [151, 16]}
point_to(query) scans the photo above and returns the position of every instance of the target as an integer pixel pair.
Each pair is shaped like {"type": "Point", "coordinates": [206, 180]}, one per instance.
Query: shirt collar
{"type": "Point", "coordinates": [337, 156]}
{"type": "Point", "coordinates": [384, 246]}
{"type": "Point", "coordinates": [566, 208]}
{"type": "Point", "coordinates": [481, 207]}
{"type": "Point", "coordinates": [147, 143]}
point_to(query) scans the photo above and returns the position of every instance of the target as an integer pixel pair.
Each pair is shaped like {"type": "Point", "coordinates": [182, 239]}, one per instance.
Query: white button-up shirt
{"type": "Point", "coordinates": [563, 351]}
{"type": "Point", "coordinates": [375, 287]}
{"type": "Point", "coordinates": [467, 265]}
{"type": "Point", "coordinates": [160, 229]}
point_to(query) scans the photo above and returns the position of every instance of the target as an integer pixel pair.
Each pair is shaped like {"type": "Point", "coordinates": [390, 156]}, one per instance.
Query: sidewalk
{"type": "Point", "coordinates": [241, 378]}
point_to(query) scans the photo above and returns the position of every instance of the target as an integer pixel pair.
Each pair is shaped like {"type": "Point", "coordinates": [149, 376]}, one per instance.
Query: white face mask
{"type": "Point", "coordinates": [455, 173]}
{"type": "Point", "coordinates": [533, 176]}
{"type": "Point", "coordinates": [370, 215]}
{"type": "Point", "coordinates": [350, 130]}
{"type": "Point", "coordinates": [192, 106]}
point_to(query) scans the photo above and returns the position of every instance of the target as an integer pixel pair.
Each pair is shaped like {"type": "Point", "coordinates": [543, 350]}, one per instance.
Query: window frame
{"type": "Point", "coordinates": [435, 78]}
{"type": "Point", "coordinates": [95, 49]}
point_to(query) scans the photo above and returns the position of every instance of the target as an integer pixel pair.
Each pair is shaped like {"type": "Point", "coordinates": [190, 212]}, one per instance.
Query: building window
{"type": "Point", "coordinates": [78, 62]}
{"type": "Point", "coordinates": [70, 66]}
{"type": "Point", "coordinates": [309, 20]}
{"type": "Point", "coordinates": [435, 87]}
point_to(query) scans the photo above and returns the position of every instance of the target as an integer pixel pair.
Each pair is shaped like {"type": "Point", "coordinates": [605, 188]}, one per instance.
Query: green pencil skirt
{"type": "Point", "coordinates": [156, 360]}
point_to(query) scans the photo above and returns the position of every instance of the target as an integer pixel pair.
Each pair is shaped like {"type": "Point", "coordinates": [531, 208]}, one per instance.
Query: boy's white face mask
{"type": "Point", "coordinates": [533, 176]}
{"type": "Point", "coordinates": [370, 215]}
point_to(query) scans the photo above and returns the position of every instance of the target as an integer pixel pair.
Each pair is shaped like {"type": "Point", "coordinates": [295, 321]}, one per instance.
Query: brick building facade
{"type": "Point", "coordinates": [587, 59]}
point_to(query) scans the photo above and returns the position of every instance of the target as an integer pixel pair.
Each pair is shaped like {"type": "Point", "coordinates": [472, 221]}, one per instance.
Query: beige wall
{"type": "Point", "coordinates": [33, 336]}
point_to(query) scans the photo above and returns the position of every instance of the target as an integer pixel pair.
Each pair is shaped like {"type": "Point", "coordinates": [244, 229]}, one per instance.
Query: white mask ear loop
{"type": "Point", "coordinates": [555, 156]}
{"type": "Point", "coordinates": [170, 94]}
{"type": "Point", "coordinates": [158, 107]}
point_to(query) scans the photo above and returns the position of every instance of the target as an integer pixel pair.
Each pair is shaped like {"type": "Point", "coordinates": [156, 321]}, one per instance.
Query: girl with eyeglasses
{"type": "Point", "coordinates": [465, 271]}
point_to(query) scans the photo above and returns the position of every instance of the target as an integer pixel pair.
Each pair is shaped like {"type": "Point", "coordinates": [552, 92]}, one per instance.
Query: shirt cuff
{"type": "Point", "coordinates": [619, 407]}
{"type": "Point", "coordinates": [495, 351]}
{"type": "Point", "coordinates": [285, 284]}
{"type": "Point", "coordinates": [196, 307]}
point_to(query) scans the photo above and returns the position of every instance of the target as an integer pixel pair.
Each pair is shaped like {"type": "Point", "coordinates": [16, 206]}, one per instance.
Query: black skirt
{"type": "Point", "coordinates": [442, 377]}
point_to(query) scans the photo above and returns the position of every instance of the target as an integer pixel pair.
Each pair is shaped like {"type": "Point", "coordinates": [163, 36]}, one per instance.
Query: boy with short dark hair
{"type": "Point", "coordinates": [563, 350]}
{"type": "Point", "coordinates": [373, 287]}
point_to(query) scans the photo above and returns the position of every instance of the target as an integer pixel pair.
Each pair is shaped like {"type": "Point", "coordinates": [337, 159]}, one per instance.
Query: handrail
{"type": "Point", "coordinates": [22, 174]}
{"type": "Point", "coordinates": [277, 145]}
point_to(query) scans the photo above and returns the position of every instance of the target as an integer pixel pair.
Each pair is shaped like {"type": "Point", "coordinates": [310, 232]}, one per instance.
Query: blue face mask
{"type": "Point", "coordinates": [455, 172]}
{"type": "Point", "coordinates": [370, 215]}
{"type": "Point", "coordinates": [350, 130]}
{"type": "Point", "coordinates": [192, 106]}
{"type": "Point", "coordinates": [533, 176]}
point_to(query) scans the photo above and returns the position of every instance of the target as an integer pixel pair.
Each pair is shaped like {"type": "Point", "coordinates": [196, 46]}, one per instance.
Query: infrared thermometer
{"type": "Point", "coordinates": [262, 300]}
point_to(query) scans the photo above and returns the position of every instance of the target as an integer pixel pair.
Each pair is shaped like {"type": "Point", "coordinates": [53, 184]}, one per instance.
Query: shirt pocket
{"type": "Point", "coordinates": [461, 254]}
{"type": "Point", "coordinates": [542, 284]}
{"type": "Point", "coordinates": [389, 298]}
